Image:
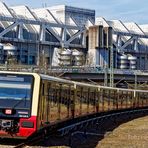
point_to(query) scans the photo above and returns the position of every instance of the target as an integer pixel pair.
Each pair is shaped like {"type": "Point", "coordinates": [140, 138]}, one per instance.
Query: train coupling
{"type": "Point", "coordinates": [8, 126]}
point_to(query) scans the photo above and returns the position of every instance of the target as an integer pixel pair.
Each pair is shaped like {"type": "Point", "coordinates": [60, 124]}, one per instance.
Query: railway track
{"type": "Point", "coordinates": [30, 142]}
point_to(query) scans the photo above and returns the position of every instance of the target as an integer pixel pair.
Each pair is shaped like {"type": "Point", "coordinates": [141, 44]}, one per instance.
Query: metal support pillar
{"type": "Point", "coordinates": [106, 75]}
{"type": "Point", "coordinates": [38, 54]}
{"type": "Point", "coordinates": [135, 81]}
{"type": "Point", "coordinates": [111, 66]}
{"type": "Point", "coordinates": [20, 31]}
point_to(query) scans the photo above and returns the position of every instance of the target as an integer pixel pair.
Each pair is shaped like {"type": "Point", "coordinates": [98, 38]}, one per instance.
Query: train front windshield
{"type": "Point", "coordinates": [16, 91]}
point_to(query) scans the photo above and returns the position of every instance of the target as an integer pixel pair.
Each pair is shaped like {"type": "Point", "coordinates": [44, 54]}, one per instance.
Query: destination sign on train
{"type": "Point", "coordinates": [8, 78]}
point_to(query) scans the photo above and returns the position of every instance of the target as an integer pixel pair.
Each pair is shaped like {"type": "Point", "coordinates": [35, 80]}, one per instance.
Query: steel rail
{"type": "Point", "coordinates": [32, 141]}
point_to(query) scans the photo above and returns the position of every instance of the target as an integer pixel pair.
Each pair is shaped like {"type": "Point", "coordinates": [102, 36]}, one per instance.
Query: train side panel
{"type": "Point", "coordinates": [64, 100]}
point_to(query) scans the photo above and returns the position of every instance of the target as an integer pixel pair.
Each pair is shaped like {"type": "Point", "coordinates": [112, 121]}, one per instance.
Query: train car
{"type": "Point", "coordinates": [30, 101]}
{"type": "Point", "coordinates": [18, 94]}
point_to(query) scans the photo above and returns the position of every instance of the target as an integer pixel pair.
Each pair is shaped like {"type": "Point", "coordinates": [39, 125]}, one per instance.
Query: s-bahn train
{"type": "Point", "coordinates": [30, 101]}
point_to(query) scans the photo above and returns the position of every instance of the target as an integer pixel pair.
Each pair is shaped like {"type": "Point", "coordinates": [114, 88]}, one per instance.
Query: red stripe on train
{"type": "Point", "coordinates": [27, 126]}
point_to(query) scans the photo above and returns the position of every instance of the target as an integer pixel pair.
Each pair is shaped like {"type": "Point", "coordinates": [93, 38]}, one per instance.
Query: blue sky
{"type": "Point", "coordinates": [125, 10]}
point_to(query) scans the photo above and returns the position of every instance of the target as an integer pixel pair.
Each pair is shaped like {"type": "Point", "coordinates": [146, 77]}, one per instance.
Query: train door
{"type": "Point", "coordinates": [43, 105]}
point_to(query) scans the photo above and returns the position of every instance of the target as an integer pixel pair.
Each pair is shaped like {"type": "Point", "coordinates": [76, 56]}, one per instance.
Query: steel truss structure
{"type": "Point", "coordinates": [126, 33]}
{"type": "Point", "coordinates": [41, 28]}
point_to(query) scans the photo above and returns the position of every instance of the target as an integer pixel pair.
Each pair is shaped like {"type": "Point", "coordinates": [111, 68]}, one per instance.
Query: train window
{"type": "Point", "coordinates": [43, 102]}
{"type": "Point", "coordinates": [16, 91]}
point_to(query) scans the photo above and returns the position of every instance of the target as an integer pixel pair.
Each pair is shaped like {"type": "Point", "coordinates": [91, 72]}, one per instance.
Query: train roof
{"type": "Point", "coordinates": [56, 79]}
{"type": "Point", "coordinates": [17, 72]}
{"type": "Point", "coordinates": [74, 83]}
